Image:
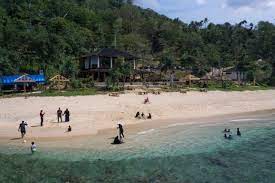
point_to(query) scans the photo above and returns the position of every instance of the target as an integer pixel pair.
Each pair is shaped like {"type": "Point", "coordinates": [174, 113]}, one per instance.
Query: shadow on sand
{"type": "Point", "coordinates": [18, 138]}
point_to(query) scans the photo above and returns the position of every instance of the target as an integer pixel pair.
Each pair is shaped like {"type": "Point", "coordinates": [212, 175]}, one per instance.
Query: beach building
{"type": "Point", "coordinates": [100, 63]}
{"type": "Point", "coordinates": [235, 74]}
{"type": "Point", "coordinates": [21, 82]}
{"type": "Point", "coordinates": [231, 73]}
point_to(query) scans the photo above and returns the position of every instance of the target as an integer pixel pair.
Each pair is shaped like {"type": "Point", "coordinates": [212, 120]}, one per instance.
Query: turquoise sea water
{"type": "Point", "coordinates": [172, 153]}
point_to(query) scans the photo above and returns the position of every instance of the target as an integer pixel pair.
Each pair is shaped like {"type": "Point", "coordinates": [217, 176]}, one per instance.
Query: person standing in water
{"type": "Point", "coordinates": [33, 148]}
{"type": "Point", "coordinates": [59, 114]}
{"type": "Point", "coordinates": [41, 117]}
{"type": "Point", "coordinates": [22, 128]}
{"type": "Point", "coordinates": [238, 132]}
{"type": "Point", "coordinates": [120, 131]}
{"type": "Point", "coordinates": [67, 115]}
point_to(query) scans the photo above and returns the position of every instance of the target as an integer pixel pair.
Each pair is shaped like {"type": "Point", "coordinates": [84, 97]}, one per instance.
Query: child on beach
{"type": "Point", "coordinates": [33, 148]}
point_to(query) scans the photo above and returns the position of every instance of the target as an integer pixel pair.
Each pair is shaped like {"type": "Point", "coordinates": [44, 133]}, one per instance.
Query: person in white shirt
{"type": "Point", "coordinates": [33, 148]}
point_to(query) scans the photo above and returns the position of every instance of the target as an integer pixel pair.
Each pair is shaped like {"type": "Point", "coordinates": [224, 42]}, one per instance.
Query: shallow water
{"type": "Point", "coordinates": [172, 153]}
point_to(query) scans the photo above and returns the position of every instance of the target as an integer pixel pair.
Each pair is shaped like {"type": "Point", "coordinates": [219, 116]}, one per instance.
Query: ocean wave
{"type": "Point", "coordinates": [145, 132]}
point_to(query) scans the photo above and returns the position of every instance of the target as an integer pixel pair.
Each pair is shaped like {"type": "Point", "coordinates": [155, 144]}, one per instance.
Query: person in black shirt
{"type": "Point", "coordinates": [120, 128]}
{"type": "Point", "coordinates": [59, 114]}
{"type": "Point", "coordinates": [67, 115]}
{"type": "Point", "coordinates": [22, 128]}
{"type": "Point", "coordinates": [42, 117]}
{"type": "Point", "coordinates": [238, 132]}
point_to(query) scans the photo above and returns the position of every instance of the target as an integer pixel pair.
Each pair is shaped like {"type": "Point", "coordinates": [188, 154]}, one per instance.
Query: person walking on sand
{"type": "Point", "coordinates": [22, 128]}
{"type": "Point", "coordinates": [33, 148]}
{"type": "Point", "coordinates": [120, 131]}
{"type": "Point", "coordinates": [67, 115]}
{"type": "Point", "coordinates": [59, 114]}
{"type": "Point", "coordinates": [41, 117]}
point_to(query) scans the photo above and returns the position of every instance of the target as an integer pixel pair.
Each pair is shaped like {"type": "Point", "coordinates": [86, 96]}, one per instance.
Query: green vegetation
{"type": "Point", "coordinates": [51, 35]}
{"type": "Point", "coordinates": [67, 93]}
{"type": "Point", "coordinates": [235, 87]}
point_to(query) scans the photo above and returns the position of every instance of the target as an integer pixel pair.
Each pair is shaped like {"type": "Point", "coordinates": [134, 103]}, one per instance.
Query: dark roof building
{"type": "Point", "coordinates": [99, 64]}
{"type": "Point", "coordinates": [110, 52]}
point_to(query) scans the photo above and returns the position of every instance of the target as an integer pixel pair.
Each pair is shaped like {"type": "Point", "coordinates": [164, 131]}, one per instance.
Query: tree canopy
{"type": "Point", "coordinates": [50, 35]}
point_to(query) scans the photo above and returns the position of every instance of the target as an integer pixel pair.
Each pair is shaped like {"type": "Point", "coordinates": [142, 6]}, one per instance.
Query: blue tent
{"type": "Point", "coordinates": [9, 80]}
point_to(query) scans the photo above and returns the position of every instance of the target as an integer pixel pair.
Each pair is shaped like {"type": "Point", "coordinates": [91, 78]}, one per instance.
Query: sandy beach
{"type": "Point", "coordinates": [90, 114]}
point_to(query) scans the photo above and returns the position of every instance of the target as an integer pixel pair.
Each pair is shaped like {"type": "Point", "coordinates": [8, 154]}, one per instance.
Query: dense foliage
{"type": "Point", "coordinates": [51, 35]}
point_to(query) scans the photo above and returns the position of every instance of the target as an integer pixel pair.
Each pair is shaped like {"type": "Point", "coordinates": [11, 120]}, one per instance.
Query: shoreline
{"type": "Point", "coordinates": [138, 128]}
{"type": "Point", "coordinates": [93, 115]}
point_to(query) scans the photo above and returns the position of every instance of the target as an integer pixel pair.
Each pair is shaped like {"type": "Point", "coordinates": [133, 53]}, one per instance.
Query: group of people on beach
{"type": "Point", "coordinates": [66, 114]}
{"type": "Point", "coordinates": [23, 125]}
{"type": "Point", "coordinates": [228, 134]}
{"type": "Point", "coordinates": [59, 114]}
{"type": "Point", "coordinates": [142, 116]}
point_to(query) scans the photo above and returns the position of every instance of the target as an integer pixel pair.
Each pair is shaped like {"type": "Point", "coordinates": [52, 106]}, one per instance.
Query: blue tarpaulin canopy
{"type": "Point", "coordinates": [11, 80]}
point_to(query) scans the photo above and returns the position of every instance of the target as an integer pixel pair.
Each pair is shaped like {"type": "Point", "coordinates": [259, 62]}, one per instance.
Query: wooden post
{"type": "Point", "coordinates": [111, 62]}
{"type": "Point", "coordinates": [190, 84]}
{"type": "Point", "coordinates": [134, 64]}
{"type": "Point", "coordinates": [25, 92]}
{"type": "Point", "coordinates": [98, 63]}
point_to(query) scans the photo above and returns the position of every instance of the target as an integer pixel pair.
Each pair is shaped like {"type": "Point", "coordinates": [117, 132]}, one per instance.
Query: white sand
{"type": "Point", "coordinates": [92, 113]}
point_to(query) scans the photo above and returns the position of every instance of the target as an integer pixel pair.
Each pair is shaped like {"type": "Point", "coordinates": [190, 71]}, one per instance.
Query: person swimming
{"type": "Point", "coordinates": [33, 147]}
{"type": "Point", "coordinates": [229, 137]}
{"type": "Point", "coordinates": [225, 136]}
{"type": "Point", "coordinates": [238, 132]}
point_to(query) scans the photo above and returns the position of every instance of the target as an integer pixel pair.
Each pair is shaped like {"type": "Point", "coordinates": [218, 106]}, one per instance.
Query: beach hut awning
{"type": "Point", "coordinates": [24, 79]}
{"type": "Point", "coordinates": [191, 77]}
{"type": "Point", "coordinates": [59, 78]}
{"type": "Point", "coordinates": [10, 79]}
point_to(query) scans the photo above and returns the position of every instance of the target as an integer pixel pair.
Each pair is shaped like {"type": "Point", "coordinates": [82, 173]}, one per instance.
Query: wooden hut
{"type": "Point", "coordinates": [59, 81]}
{"type": "Point", "coordinates": [191, 78]}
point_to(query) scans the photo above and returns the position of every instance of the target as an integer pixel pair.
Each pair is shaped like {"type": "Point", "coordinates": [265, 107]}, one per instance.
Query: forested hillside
{"type": "Point", "coordinates": [52, 34]}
